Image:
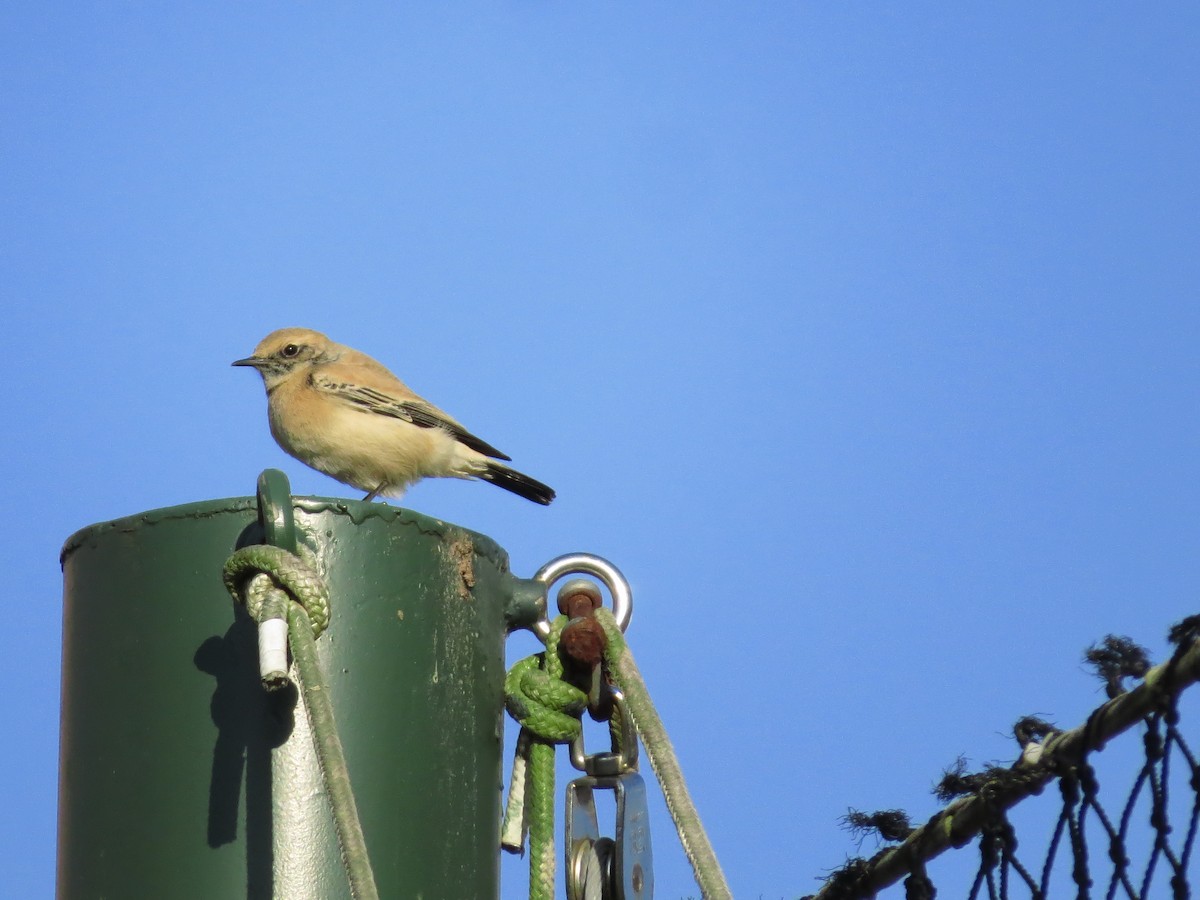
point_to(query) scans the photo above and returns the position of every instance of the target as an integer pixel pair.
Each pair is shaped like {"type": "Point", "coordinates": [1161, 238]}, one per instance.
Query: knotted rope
{"type": "Point", "coordinates": [548, 710]}
{"type": "Point", "coordinates": [274, 583]}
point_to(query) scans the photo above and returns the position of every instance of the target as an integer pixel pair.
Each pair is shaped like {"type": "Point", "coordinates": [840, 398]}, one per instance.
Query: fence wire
{"type": "Point", "coordinates": [1094, 847]}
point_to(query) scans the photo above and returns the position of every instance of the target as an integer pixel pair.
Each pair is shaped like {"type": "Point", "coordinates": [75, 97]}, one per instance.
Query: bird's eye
{"type": "Point", "coordinates": [290, 350]}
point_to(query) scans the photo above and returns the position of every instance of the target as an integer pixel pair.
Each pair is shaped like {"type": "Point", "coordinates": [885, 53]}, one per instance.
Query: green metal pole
{"type": "Point", "coordinates": [181, 777]}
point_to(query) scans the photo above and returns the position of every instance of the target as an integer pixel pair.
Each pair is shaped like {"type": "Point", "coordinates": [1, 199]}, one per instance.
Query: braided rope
{"type": "Point", "coordinates": [549, 711]}
{"type": "Point", "coordinates": [253, 574]}
{"type": "Point", "coordinates": [663, 761]}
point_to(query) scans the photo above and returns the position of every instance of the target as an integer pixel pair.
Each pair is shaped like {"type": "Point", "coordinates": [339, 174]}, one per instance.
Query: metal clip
{"type": "Point", "coordinates": [624, 754]}
{"type": "Point", "coordinates": [601, 868]}
{"type": "Point", "coordinates": [620, 867]}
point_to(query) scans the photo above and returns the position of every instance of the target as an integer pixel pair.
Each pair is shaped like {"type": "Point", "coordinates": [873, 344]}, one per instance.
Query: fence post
{"type": "Point", "coordinates": [181, 777]}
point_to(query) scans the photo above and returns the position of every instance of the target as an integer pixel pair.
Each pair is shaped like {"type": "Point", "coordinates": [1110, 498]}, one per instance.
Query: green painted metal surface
{"type": "Point", "coordinates": [181, 778]}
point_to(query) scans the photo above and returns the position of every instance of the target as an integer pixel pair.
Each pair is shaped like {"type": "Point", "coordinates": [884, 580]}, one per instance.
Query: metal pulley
{"type": "Point", "coordinates": [618, 867]}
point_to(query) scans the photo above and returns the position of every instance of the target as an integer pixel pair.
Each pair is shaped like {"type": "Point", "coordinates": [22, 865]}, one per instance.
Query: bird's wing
{"type": "Point", "coordinates": [413, 409]}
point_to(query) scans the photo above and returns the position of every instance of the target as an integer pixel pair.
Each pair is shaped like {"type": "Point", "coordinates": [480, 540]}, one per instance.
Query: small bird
{"type": "Point", "coordinates": [344, 414]}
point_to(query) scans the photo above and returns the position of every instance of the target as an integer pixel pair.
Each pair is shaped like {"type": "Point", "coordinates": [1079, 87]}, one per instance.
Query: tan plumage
{"type": "Point", "coordinates": [344, 414]}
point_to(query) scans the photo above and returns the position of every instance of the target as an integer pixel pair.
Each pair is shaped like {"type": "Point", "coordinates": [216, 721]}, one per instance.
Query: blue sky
{"type": "Point", "coordinates": [863, 338]}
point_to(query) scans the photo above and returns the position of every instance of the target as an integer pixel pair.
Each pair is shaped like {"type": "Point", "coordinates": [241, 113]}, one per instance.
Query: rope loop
{"type": "Point", "coordinates": [253, 573]}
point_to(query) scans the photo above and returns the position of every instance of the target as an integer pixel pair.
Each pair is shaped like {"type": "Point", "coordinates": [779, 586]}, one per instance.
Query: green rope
{"type": "Point", "coordinates": [290, 572]}
{"type": "Point", "coordinates": [262, 573]}
{"type": "Point", "coordinates": [625, 674]}
{"type": "Point", "coordinates": [548, 710]}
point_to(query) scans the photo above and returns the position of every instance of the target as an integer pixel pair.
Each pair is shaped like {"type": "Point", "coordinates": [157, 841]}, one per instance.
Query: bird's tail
{"type": "Point", "coordinates": [520, 484]}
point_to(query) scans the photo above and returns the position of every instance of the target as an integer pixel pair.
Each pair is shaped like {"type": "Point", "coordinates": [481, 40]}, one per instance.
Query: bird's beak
{"type": "Point", "coordinates": [254, 361]}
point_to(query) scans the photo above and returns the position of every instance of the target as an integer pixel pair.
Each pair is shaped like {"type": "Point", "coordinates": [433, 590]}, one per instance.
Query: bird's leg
{"type": "Point", "coordinates": [375, 493]}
